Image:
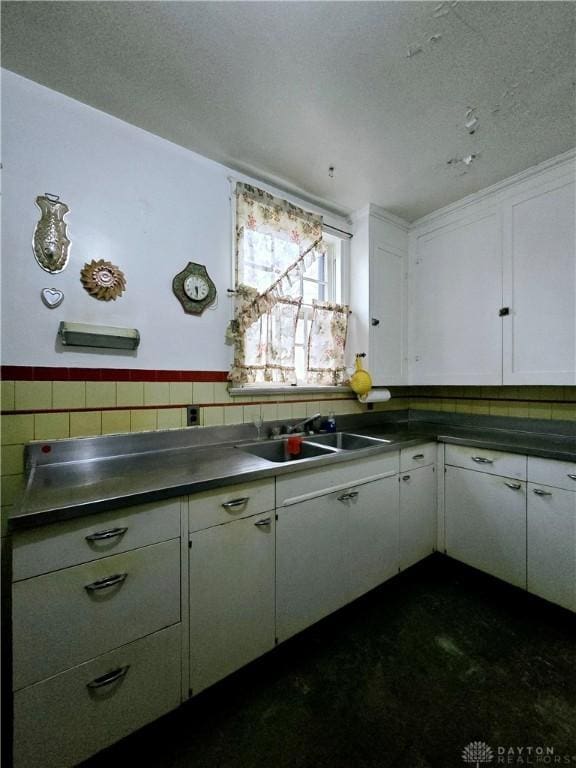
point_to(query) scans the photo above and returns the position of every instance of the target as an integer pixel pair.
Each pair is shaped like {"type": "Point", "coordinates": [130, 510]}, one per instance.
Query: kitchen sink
{"type": "Point", "coordinates": [277, 450]}
{"type": "Point", "coordinates": [344, 441]}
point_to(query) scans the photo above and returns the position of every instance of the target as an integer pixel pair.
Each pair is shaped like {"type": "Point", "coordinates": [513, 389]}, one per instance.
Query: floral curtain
{"type": "Point", "coordinates": [326, 343]}
{"type": "Point", "coordinates": [275, 243]}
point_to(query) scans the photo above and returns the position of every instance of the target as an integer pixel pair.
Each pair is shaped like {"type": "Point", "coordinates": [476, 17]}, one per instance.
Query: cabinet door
{"type": "Point", "coordinates": [552, 544]}
{"type": "Point", "coordinates": [540, 287]}
{"type": "Point", "coordinates": [486, 523]}
{"type": "Point", "coordinates": [231, 597]}
{"type": "Point", "coordinates": [417, 515]}
{"type": "Point", "coordinates": [455, 330]}
{"type": "Point", "coordinates": [371, 537]}
{"type": "Point", "coordinates": [387, 348]}
{"type": "Point", "coordinates": [310, 557]}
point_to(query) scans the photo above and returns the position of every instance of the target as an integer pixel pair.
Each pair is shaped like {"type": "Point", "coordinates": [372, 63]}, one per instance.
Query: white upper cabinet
{"type": "Point", "coordinates": [510, 248]}
{"type": "Point", "coordinates": [455, 329]}
{"type": "Point", "coordinates": [539, 286]}
{"type": "Point", "coordinates": [378, 295]}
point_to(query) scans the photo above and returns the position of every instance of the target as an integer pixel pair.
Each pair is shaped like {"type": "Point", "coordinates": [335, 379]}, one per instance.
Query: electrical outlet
{"type": "Point", "coordinates": [192, 415]}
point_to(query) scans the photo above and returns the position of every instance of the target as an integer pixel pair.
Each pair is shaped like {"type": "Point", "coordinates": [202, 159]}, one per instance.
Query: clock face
{"type": "Point", "coordinates": [196, 288]}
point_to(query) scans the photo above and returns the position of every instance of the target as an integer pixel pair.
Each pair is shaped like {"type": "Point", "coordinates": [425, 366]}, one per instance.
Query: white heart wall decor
{"type": "Point", "coordinates": [52, 297]}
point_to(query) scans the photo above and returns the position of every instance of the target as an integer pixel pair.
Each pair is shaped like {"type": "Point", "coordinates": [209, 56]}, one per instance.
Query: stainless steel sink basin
{"type": "Point", "coordinates": [344, 441]}
{"type": "Point", "coordinates": [277, 450]}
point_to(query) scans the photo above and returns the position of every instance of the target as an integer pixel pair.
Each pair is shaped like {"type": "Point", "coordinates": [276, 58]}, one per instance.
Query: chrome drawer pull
{"type": "Point", "coordinates": [418, 456]}
{"type": "Point", "coordinates": [514, 486]}
{"type": "Point", "coordinates": [406, 477]}
{"type": "Point", "coordinates": [109, 677]}
{"type": "Point", "coordinates": [482, 460]}
{"type": "Point", "coordinates": [540, 492]}
{"type": "Point", "coordinates": [571, 476]}
{"type": "Point", "coordinates": [236, 503]}
{"type": "Point", "coordinates": [263, 523]}
{"type": "Point", "coordinates": [110, 534]}
{"type": "Point", "coordinates": [109, 581]}
{"type": "Point", "coordinates": [348, 496]}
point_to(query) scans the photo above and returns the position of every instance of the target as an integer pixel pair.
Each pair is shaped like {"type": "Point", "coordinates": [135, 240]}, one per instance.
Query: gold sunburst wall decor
{"type": "Point", "coordinates": [103, 280]}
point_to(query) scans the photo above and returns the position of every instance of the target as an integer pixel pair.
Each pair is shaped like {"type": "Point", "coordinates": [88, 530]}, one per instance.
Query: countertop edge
{"type": "Point", "coordinates": [38, 518]}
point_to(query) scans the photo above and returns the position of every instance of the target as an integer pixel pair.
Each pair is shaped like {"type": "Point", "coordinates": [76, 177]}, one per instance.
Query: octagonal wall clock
{"type": "Point", "coordinates": [194, 288]}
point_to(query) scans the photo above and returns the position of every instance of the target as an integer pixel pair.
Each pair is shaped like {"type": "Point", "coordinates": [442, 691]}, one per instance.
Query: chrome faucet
{"type": "Point", "coordinates": [299, 426]}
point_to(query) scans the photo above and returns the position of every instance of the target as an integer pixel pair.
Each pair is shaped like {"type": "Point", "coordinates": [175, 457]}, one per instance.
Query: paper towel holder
{"type": "Point", "coordinates": [379, 395]}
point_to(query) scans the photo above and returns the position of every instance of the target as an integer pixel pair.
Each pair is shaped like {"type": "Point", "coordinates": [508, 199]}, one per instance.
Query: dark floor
{"type": "Point", "coordinates": [404, 678]}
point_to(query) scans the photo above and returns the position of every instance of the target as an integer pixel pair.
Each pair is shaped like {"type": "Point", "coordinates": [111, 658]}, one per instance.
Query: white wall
{"type": "Point", "coordinates": [136, 200]}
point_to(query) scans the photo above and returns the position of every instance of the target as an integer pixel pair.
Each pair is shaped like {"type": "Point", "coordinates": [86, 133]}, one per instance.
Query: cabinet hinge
{"type": "Point", "coordinates": [275, 641]}
{"type": "Point", "coordinates": [504, 311]}
{"type": "Point", "coordinates": [190, 692]}
{"type": "Point", "coordinates": [189, 545]}
{"type": "Point", "coordinates": [276, 517]}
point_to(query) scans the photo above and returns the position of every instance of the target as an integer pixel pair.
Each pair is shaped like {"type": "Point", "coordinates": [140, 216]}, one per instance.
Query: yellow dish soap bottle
{"type": "Point", "coordinates": [360, 381]}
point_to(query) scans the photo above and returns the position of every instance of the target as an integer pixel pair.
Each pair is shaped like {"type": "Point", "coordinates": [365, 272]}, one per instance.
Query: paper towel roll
{"type": "Point", "coordinates": [375, 396]}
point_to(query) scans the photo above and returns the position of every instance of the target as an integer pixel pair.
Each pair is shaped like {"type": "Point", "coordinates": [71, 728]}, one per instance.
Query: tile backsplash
{"type": "Point", "coordinates": [49, 409]}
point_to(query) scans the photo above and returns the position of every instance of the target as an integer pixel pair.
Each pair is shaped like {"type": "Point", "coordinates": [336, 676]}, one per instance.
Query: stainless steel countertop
{"type": "Point", "coordinates": [58, 491]}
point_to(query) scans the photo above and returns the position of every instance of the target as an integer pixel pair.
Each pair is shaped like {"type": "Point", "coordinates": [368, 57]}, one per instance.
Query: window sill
{"type": "Point", "coordinates": [281, 390]}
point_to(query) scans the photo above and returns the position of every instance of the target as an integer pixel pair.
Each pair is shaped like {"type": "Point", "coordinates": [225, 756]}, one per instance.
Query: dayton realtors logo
{"type": "Point", "coordinates": [478, 754]}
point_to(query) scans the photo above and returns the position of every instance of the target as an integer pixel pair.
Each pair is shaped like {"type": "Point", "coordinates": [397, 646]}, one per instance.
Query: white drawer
{"type": "Point", "coordinates": [60, 545]}
{"type": "Point", "coordinates": [560, 474]}
{"type": "Point", "coordinates": [293, 488]}
{"type": "Point", "coordinates": [230, 503]}
{"type": "Point", "coordinates": [418, 456]}
{"type": "Point", "coordinates": [62, 721]}
{"type": "Point", "coordinates": [487, 460]}
{"type": "Point", "coordinates": [58, 623]}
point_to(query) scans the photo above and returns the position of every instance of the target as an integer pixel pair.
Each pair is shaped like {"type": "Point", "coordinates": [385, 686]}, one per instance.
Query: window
{"type": "Point", "coordinates": [289, 325]}
{"type": "Point", "coordinates": [321, 282]}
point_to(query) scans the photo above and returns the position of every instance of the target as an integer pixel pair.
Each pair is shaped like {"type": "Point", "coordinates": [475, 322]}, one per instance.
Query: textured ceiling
{"type": "Point", "coordinates": [381, 91]}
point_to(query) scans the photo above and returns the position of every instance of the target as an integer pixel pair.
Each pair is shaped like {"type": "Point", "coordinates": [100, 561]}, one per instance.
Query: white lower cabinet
{"type": "Point", "coordinates": [333, 548]}
{"type": "Point", "coordinates": [552, 544]}
{"type": "Point", "coordinates": [97, 632]}
{"type": "Point", "coordinates": [417, 515]}
{"type": "Point", "coordinates": [231, 579]}
{"type": "Point", "coordinates": [371, 536]}
{"type": "Point", "coordinates": [67, 718]}
{"type": "Point", "coordinates": [69, 616]}
{"type": "Point", "coordinates": [486, 523]}
{"type": "Point", "coordinates": [309, 563]}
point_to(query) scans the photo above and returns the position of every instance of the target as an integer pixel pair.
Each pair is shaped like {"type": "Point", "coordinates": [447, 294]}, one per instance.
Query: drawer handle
{"type": "Point", "coordinates": [109, 534]}
{"type": "Point", "coordinates": [406, 478]}
{"type": "Point", "coordinates": [418, 456]}
{"type": "Point", "coordinates": [482, 460]}
{"type": "Point", "coordinates": [540, 492]}
{"type": "Point", "coordinates": [348, 496]}
{"type": "Point", "coordinates": [571, 476]}
{"type": "Point", "coordinates": [514, 486]}
{"type": "Point", "coordinates": [263, 523]}
{"type": "Point", "coordinates": [235, 503]}
{"type": "Point", "coordinates": [109, 677]}
{"type": "Point", "coordinates": [109, 581]}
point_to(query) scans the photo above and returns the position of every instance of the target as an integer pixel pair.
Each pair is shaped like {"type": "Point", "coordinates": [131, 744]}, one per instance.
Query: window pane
{"type": "Point", "coordinates": [264, 259]}
{"type": "Point", "coordinates": [316, 271]}
{"type": "Point", "coordinates": [313, 290]}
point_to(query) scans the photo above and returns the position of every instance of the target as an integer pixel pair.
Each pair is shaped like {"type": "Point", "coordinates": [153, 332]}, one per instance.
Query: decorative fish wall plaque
{"type": "Point", "coordinates": [51, 244]}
